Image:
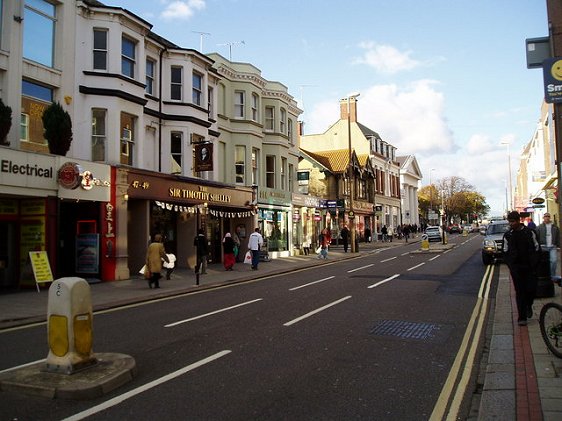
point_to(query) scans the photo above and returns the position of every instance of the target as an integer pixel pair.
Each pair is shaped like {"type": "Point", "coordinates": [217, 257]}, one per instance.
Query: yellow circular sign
{"type": "Point", "coordinates": [556, 70]}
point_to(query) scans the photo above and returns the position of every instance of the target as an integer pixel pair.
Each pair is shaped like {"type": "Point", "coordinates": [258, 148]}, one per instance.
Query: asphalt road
{"type": "Point", "coordinates": [367, 338]}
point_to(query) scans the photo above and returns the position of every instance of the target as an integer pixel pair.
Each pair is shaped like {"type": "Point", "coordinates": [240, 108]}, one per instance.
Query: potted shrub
{"type": "Point", "coordinates": [58, 129]}
{"type": "Point", "coordinates": [5, 123]}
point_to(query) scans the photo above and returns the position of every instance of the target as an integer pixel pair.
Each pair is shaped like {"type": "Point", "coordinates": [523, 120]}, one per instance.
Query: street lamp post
{"type": "Point", "coordinates": [351, 178]}
{"type": "Point", "coordinates": [430, 191]}
{"type": "Point", "coordinates": [509, 204]}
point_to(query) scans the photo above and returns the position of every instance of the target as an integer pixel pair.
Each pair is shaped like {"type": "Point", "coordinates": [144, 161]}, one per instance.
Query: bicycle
{"type": "Point", "coordinates": [550, 322]}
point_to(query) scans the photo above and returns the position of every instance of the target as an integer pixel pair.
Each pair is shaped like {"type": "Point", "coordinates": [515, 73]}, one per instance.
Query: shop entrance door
{"type": "Point", "coordinates": [8, 256]}
{"type": "Point", "coordinates": [215, 238]}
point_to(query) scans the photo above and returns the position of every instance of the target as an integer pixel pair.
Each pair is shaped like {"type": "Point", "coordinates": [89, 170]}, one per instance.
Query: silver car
{"type": "Point", "coordinates": [492, 245]}
{"type": "Point", "coordinates": [433, 233]}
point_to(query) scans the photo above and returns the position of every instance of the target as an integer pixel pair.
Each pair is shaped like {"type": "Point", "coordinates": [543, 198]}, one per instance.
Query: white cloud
{"type": "Point", "coordinates": [182, 9]}
{"type": "Point", "coordinates": [386, 58]}
{"type": "Point", "coordinates": [479, 144]}
{"type": "Point", "coordinates": [412, 118]}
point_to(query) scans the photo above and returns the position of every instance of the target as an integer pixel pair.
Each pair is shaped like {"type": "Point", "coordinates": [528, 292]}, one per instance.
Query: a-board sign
{"type": "Point", "coordinates": [41, 267]}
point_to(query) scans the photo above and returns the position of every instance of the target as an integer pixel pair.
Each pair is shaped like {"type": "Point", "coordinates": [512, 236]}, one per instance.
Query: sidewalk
{"type": "Point", "coordinates": [521, 379]}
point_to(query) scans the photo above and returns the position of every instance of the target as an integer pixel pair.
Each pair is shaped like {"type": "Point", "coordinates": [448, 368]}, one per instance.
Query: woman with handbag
{"type": "Point", "coordinates": [228, 246]}
{"type": "Point", "coordinates": [154, 256]}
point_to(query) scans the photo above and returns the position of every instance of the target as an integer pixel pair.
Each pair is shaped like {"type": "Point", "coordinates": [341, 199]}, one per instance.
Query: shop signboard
{"type": "Point", "coordinates": [552, 75]}
{"type": "Point", "coordinates": [83, 180]}
{"type": "Point", "coordinates": [20, 171]}
{"type": "Point", "coordinates": [87, 253]}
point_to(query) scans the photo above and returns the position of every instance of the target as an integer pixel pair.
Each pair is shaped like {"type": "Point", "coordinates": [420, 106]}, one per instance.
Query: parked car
{"type": "Point", "coordinates": [492, 245]}
{"type": "Point", "coordinates": [454, 228]}
{"type": "Point", "coordinates": [467, 228]}
{"type": "Point", "coordinates": [433, 233]}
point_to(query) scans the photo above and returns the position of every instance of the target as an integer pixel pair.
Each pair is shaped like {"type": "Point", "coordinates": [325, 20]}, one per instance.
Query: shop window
{"type": "Point", "coordinates": [290, 132]}
{"type": "Point", "coordinates": [283, 171]}
{"type": "Point", "coordinates": [240, 164]}
{"type": "Point", "coordinates": [128, 57]}
{"type": "Point", "coordinates": [255, 166]}
{"type": "Point", "coordinates": [176, 150]}
{"type": "Point", "coordinates": [291, 180]}
{"type": "Point", "coordinates": [127, 139]}
{"type": "Point", "coordinates": [239, 99]}
{"type": "Point", "coordinates": [269, 119]}
{"type": "Point", "coordinates": [255, 107]}
{"type": "Point", "coordinates": [150, 67]}
{"type": "Point", "coordinates": [282, 120]}
{"type": "Point", "coordinates": [100, 49]}
{"type": "Point", "coordinates": [197, 80]}
{"type": "Point", "coordinates": [176, 83]}
{"type": "Point", "coordinates": [24, 127]}
{"type": "Point", "coordinates": [270, 171]}
{"type": "Point", "coordinates": [210, 107]}
{"type": "Point", "coordinates": [98, 134]}
{"type": "Point", "coordinates": [35, 99]}
{"type": "Point", "coordinates": [39, 31]}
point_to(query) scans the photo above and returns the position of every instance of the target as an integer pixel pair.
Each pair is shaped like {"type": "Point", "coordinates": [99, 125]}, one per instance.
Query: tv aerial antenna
{"type": "Point", "coordinates": [201, 35]}
{"type": "Point", "coordinates": [230, 44]}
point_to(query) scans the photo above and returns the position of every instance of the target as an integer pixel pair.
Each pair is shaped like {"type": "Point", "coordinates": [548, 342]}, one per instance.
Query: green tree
{"type": "Point", "coordinates": [5, 123]}
{"type": "Point", "coordinates": [58, 129]}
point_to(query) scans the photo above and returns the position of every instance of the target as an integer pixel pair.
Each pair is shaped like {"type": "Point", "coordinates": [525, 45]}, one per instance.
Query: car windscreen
{"type": "Point", "coordinates": [497, 229]}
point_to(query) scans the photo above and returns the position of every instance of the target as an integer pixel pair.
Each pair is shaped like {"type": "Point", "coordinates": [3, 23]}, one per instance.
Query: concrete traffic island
{"type": "Point", "coordinates": [111, 371]}
{"type": "Point", "coordinates": [71, 370]}
{"type": "Point", "coordinates": [435, 248]}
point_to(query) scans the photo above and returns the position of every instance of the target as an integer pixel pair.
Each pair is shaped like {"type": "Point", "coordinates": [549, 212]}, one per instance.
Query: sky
{"type": "Point", "coordinates": [444, 80]}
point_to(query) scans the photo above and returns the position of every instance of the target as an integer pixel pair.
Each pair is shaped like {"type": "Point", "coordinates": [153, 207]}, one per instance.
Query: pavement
{"type": "Point", "coordinates": [518, 380]}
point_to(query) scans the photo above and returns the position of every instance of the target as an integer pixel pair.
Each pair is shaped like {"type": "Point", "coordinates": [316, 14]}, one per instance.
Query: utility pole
{"type": "Point", "coordinates": [554, 12]}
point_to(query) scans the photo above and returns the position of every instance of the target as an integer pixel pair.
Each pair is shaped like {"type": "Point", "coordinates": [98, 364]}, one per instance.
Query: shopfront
{"type": "Point", "coordinates": [176, 207]}
{"type": "Point", "coordinates": [305, 226]}
{"type": "Point", "coordinates": [40, 212]}
{"type": "Point", "coordinates": [275, 221]}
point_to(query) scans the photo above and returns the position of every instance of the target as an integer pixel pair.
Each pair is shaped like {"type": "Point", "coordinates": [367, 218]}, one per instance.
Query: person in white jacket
{"type": "Point", "coordinates": [254, 244]}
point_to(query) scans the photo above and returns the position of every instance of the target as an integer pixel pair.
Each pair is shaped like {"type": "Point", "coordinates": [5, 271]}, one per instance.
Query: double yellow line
{"type": "Point", "coordinates": [454, 389]}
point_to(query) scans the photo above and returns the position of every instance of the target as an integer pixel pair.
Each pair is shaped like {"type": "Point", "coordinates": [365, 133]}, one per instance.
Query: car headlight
{"type": "Point", "coordinates": [489, 244]}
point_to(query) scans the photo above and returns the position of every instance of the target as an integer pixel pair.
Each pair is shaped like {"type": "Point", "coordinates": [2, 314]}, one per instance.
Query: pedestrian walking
{"type": "Point", "coordinates": [368, 237]}
{"type": "Point", "coordinates": [202, 250]}
{"type": "Point", "coordinates": [522, 254]}
{"type": "Point", "coordinates": [406, 232]}
{"type": "Point", "coordinates": [345, 237]}
{"type": "Point", "coordinates": [384, 232]}
{"type": "Point", "coordinates": [549, 239]}
{"type": "Point", "coordinates": [154, 257]}
{"type": "Point", "coordinates": [170, 265]}
{"type": "Point", "coordinates": [237, 243]}
{"type": "Point", "coordinates": [306, 245]}
{"type": "Point", "coordinates": [254, 244]}
{"type": "Point", "coordinates": [324, 240]}
{"type": "Point", "coordinates": [228, 249]}
{"type": "Point", "coordinates": [390, 234]}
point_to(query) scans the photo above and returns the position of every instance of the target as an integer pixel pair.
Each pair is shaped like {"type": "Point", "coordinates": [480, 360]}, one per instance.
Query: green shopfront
{"type": "Point", "coordinates": [274, 211]}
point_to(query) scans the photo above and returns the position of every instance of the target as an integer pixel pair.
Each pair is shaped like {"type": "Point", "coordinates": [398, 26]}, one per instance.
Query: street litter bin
{"type": "Point", "coordinates": [545, 286]}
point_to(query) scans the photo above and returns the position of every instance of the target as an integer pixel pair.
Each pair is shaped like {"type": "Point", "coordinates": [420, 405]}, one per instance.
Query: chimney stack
{"type": "Point", "coordinates": [352, 109]}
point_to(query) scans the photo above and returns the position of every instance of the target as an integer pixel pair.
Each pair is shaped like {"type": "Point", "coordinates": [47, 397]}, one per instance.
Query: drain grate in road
{"type": "Point", "coordinates": [405, 330]}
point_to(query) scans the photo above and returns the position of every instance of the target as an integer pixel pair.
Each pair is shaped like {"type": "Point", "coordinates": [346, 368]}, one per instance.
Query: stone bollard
{"type": "Point", "coordinates": [69, 325]}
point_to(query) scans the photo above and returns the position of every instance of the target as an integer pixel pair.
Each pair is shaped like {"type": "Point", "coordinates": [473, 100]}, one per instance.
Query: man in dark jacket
{"type": "Point", "coordinates": [200, 243]}
{"type": "Point", "coordinates": [549, 239]}
{"type": "Point", "coordinates": [345, 237]}
{"type": "Point", "coordinates": [522, 253]}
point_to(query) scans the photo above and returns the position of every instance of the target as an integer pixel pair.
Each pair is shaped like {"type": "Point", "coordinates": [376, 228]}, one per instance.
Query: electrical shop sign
{"type": "Point", "coordinates": [21, 172]}
{"type": "Point", "coordinates": [552, 74]}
